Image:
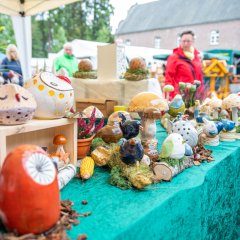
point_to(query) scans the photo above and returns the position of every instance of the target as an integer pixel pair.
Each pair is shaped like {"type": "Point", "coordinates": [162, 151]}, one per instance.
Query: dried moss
{"type": "Point", "coordinates": [96, 142]}
{"type": "Point", "coordinates": [85, 74]}
{"type": "Point", "coordinates": [117, 179]}
{"type": "Point", "coordinates": [173, 162]}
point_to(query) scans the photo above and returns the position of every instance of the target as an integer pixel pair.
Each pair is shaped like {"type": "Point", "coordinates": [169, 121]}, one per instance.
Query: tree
{"type": "Point", "coordinates": [6, 32]}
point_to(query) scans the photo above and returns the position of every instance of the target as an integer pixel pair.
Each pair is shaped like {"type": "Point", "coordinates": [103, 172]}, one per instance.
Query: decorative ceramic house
{"type": "Point", "coordinates": [17, 105]}
{"type": "Point", "coordinates": [54, 96]}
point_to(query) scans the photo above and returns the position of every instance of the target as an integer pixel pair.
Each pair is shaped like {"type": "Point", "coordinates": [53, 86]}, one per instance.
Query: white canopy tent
{"type": "Point", "coordinates": [21, 10]}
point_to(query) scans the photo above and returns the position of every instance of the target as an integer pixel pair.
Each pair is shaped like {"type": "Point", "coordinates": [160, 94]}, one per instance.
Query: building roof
{"type": "Point", "coordinates": [164, 14]}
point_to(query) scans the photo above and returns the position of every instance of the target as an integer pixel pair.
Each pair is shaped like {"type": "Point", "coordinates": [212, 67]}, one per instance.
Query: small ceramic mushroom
{"type": "Point", "coordinates": [167, 89]}
{"type": "Point", "coordinates": [215, 104]}
{"type": "Point", "coordinates": [232, 102]}
{"type": "Point", "coordinates": [59, 141]}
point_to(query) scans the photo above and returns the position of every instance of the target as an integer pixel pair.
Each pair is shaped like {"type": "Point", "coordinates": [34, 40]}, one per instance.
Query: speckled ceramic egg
{"type": "Point", "coordinates": [54, 96]}
{"type": "Point", "coordinates": [29, 193]}
{"type": "Point", "coordinates": [17, 105]}
{"type": "Point", "coordinates": [186, 130]}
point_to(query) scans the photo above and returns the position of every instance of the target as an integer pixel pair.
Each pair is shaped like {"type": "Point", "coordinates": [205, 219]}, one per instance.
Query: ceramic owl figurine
{"type": "Point", "coordinates": [17, 105]}
{"type": "Point", "coordinates": [174, 147]}
{"type": "Point", "coordinates": [54, 96]}
{"type": "Point", "coordinates": [186, 130]}
{"type": "Point", "coordinates": [176, 106]}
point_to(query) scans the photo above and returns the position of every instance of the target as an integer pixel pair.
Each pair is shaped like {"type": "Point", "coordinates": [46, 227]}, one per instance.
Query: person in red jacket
{"type": "Point", "coordinates": [184, 64]}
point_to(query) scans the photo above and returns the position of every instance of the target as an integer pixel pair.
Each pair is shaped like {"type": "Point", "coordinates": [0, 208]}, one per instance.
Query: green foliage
{"type": "Point", "coordinates": [96, 142]}
{"type": "Point", "coordinates": [6, 32]}
{"type": "Point", "coordinates": [86, 19]}
{"type": "Point", "coordinates": [117, 179]}
{"type": "Point", "coordinates": [238, 129]}
{"type": "Point", "coordinates": [172, 162]}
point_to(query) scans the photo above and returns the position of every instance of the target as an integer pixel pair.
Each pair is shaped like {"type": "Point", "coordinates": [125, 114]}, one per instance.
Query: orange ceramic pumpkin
{"type": "Point", "coordinates": [137, 63]}
{"type": "Point", "coordinates": [29, 193]}
{"type": "Point", "coordinates": [85, 65]}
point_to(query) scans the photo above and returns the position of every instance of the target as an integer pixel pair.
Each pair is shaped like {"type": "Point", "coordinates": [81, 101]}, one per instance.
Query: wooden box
{"type": "Point", "coordinates": [41, 133]}
{"type": "Point", "coordinates": [104, 105]}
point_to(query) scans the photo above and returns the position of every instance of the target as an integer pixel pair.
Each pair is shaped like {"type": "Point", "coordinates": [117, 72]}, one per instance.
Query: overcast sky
{"type": "Point", "coordinates": [121, 9]}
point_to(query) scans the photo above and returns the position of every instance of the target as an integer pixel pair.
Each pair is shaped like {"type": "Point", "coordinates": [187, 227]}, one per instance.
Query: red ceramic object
{"type": "Point", "coordinates": [29, 193]}
{"type": "Point", "coordinates": [66, 79]}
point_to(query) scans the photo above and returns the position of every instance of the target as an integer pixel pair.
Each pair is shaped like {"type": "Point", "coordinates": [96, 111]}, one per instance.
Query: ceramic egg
{"type": "Point", "coordinates": [54, 96]}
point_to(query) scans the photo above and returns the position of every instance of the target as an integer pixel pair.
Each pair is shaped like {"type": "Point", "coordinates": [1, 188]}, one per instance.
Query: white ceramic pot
{"type": "Point", "coordinates": [54, 96]}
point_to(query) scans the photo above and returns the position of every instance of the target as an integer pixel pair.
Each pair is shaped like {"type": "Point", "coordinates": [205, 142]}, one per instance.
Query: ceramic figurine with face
{"type": "Point", "coordinates": [17, 105]}
{"type": "Point", "coordinates": [54, 96]}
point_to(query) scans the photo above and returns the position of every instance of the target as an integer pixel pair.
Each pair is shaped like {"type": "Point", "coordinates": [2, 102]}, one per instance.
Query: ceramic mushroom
{"type": "Point", "coordinates": [215, 104]}
{"type": "Point", "coordinates": [59, 141]}
{"type": "Point", "coordinates": [167, 89]}
{"type": "Point", "coordinates": [87, 112]}
{"type": "Point", "coordinates": [232, 102]}
{"type": "Point", "coordinates": [148, 105]}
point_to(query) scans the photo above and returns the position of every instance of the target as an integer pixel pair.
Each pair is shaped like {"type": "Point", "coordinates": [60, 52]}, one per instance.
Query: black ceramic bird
{"type": "Point", "coordinates": [130, 128]}
{"type": "Point", "coordinates": [131, 151]}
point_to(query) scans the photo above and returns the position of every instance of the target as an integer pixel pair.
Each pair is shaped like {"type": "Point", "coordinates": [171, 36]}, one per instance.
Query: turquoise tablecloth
{"type": "Point", "coordinates": [201, 203]}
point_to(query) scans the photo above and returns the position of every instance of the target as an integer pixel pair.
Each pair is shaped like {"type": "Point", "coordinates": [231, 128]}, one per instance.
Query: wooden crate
{"type": "Point", "coordinates": [41, 133]}
{"type": "Point", "coordinates": [104, 105]}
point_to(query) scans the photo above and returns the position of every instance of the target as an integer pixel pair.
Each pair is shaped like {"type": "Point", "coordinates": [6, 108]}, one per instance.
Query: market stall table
{"type": "Point", "coordinates": [201, 203]}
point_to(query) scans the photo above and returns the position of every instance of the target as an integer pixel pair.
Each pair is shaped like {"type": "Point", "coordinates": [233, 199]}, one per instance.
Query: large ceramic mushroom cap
{"type": "Point", "coordinates": [145, 100]}
{"type": "Point", "coordinates": [215, 102]}
{"type": "Point", "coordinates": [231, 101]}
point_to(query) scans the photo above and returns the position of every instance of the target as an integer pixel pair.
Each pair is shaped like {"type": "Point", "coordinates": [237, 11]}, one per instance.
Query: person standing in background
{"type": "Point", "coordinates": [10, 68]}
{"type": "Point", "coordinates": [184, 64]}
{"type": "Point", "coordinates": [67, 61]}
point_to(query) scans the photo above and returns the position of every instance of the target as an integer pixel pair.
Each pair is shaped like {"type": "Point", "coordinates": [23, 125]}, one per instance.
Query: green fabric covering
{"type": "Point", "coordinates": [201, 203]}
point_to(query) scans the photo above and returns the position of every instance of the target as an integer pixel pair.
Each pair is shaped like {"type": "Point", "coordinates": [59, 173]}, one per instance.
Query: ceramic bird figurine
{"type": "Point", "coordinates": [176, 106]}
{"type": "Point", "coordinates": [174, 147]}
{"type": "Point", "coordinates": [210, 128]}
{"type": "Point", "coordinates": [130, 128]}
{"type": "Point", "coordinates": [110, 134]}
{"type": "Point", "coordinates": [228, 125]}
{"type": "Point", "coordinates": [131, 151]}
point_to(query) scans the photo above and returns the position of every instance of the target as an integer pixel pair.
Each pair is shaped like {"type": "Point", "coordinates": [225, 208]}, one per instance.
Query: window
{"type": "Point", "coordinates": [127, 42]}
{"type": "Point", "coordinates": [214, 37]}
{"type": "Point", "coordinates": [157, 42]}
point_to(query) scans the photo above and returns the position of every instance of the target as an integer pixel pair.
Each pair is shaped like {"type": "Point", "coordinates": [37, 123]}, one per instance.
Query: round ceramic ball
{"type": "Point", "coordinates": [85, 65]}
{"type": "Point", "coordinates": [137, 63]}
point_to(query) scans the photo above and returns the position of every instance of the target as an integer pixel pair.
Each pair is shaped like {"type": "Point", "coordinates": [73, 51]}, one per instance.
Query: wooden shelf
{"type": "Point", "coordinates": [41, 133]}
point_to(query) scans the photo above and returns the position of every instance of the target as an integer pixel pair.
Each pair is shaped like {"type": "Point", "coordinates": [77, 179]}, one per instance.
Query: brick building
{"type": "Point", "coordinates": [216, 23]}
